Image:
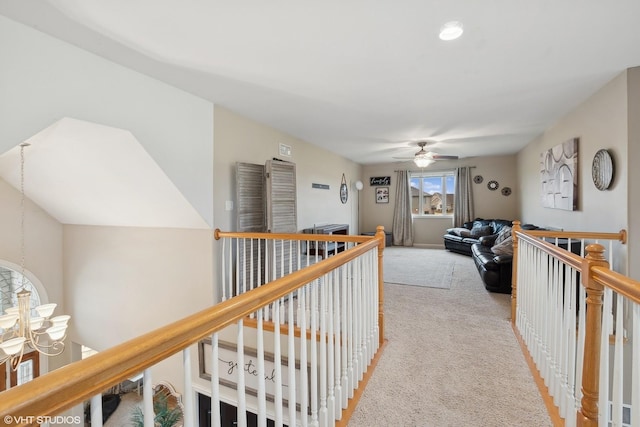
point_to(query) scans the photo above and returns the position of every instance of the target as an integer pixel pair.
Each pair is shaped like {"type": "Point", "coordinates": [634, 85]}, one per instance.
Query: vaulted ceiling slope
{"type": "Point", "coordinates": [90, 174]}
{"type": "Point", "coordinates": [364, 79]}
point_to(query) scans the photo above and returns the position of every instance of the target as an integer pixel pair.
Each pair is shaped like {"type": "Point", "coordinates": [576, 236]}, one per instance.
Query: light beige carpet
{"type": "Point", "coordinates": [451, 360]}
{"type": "Point", "coordinates": [418, 267]}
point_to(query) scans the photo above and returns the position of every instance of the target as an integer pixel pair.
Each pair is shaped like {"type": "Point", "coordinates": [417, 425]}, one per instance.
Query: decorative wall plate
{"type": "Point", "coordinates": [602, 170]}
{"type": "Point", "coordinates": [344, 192]}
{"type": "Point", "coordinates": [478, 179]}
{"type": "Point", "coordinates": [506, 191]}
{"type": "Point", "coordinates": [493, 185]}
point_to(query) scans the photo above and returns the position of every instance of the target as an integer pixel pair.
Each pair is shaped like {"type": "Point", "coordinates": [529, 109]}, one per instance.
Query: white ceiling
{"type": "Point", "coordinates": [86, 173]}
{"type": "Point", "coordinates": [364, 78]}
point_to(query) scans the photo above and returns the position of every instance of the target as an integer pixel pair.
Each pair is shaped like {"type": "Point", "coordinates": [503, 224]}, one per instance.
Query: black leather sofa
{"type": "Point", "coordinates": [495, 270]}
{"type": "Point", "coordinates": [461, 239]}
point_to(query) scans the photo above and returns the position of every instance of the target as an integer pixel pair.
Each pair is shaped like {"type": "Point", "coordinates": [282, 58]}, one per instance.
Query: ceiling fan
{"type": "Point", "coordinates": [424, 158]}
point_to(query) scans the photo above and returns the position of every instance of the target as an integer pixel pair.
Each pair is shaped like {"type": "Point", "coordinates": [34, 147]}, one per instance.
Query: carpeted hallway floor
{"type": "Point", "coordinates": [451, 359]}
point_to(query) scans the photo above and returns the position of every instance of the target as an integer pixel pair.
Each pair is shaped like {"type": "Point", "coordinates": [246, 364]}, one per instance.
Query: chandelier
{"type": "Point", "coordinates": [22, 329]}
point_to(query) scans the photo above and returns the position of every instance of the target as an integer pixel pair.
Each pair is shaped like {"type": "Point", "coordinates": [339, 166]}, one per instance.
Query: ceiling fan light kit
{"type": "Point", "coordinates": [451, 31]}
{"type": "Point", "coordinates": [422, 160]}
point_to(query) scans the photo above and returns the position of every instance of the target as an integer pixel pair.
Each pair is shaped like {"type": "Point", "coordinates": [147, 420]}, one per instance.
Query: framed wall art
{"type": "Point", "coordinates": [382, 195]}
{"type": "Point", "coordinates": [559, 176]}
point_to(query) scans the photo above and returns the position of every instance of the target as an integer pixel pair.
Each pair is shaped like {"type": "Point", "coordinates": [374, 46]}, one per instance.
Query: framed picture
{"type": "Point", "coordinates": [382, 195]}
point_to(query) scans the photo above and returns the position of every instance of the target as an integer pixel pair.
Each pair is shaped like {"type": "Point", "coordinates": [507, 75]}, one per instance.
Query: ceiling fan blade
{"type": "Point", "coordinates": [403, 158]}
{"type": "Point", "coordinates": [443, 157]}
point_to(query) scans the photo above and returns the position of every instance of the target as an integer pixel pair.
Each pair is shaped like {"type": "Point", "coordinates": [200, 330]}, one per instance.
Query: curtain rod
{"type": "Point", "coordinates": [435, 170]}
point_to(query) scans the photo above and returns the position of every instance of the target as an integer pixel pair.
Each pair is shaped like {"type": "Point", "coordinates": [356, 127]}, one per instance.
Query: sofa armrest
{"type": "Point", "coordinates": [488, 240]}
{"type": "Point", "coordinates": [503, 259]}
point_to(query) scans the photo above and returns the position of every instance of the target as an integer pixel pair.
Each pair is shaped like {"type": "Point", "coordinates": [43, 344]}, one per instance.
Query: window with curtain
{"type": "Point", "coordinates": [432, 193]}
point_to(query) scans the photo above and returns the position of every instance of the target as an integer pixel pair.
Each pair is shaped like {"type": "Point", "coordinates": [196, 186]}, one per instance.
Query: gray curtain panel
{"type": "Point", "coordinates": [463, 204]}
{"type": "Point", "coordinates": [402, 222]}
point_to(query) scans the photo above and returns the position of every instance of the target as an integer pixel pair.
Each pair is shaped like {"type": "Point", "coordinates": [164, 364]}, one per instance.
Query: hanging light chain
{"type": "Point", "coordinates": [22, 213]}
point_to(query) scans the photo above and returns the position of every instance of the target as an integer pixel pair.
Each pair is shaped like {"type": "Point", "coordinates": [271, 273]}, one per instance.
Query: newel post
{"type": "Point", "coordinates": [381, 241]}
{"type": "Point", "coordinates": [514, 270]}
{"type": "Point", "coordinates": [588, 414]}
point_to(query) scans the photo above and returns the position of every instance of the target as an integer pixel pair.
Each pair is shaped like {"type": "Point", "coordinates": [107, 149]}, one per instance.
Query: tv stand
{"type": "Point", "coordinates": [326, 249]}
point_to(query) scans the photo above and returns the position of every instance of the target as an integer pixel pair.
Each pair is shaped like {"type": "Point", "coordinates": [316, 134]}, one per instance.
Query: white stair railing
{"type": "Point", "coordinates": [330, 325]}
{"type": "Point", "coordinates": [558, 324]}
{"type": "Point", "coordinates": [301, 320]}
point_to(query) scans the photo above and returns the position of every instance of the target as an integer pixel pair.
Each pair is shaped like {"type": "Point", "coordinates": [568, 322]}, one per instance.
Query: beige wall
{"type": "Point", "coordinates": [240, 139]}
{"type": "Point", "coordinates": [429, 231]}
{"type": "Point", "coordinates": [43, 243]}
{"type": "Point", "coordinates": [43, 253]}
{"type": "Point", "coordinates": [632, 173]}
{"type": "Point", "coordinates": [121, 282]}
{"type": "Point", "coordinates": [599, 122]}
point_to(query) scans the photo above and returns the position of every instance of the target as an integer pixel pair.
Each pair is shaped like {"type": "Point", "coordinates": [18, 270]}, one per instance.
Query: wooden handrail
{"type": "Point", "coordinates": [564, 255]}
{"type": "Point", "coordinates": [217, 234]}
{"type": "Point", "coordinates": [72, 384]}
{"type": "Point", "coordinates": [618, 283]}
{"type": "Point", "coordinates": [621, 235]}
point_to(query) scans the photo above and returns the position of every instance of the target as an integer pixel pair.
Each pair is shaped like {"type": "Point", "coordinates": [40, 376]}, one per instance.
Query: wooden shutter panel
{"type": "Point", "coordinates": [250, 197]}
{"type": "Point", "coordinates": [282, 215]}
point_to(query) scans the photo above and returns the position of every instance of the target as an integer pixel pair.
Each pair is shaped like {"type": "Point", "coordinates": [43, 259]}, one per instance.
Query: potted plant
{"type": "Point", "coordinates": [165, 414]}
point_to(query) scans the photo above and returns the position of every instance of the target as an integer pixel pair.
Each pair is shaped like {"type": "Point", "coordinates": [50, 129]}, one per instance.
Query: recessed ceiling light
{"type": "Point", "coordinates": [451, 30]}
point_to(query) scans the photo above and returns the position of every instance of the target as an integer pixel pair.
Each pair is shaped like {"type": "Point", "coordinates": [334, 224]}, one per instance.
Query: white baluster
{"type": "Point", "coordinates": [223, 270]}
{"type": "Point", "coordinates": [96, 409]}
{"type": "Point", "coordinates": [635, 363]}
{"type": "Point", "coordinates": [618, 364]}
{"type": "Point", "coordinates": [244, 266]}
{"type": "Point", "coordinates": [238, 291]}
{"type": "Point", "coordinates": [314, 353]}
{"type": "Point", "coordinates": [252, 282]}
{"type": "Point", "coordinates": [291, 356]}
{"type": "Point", "coordinates": [189, 407]}
{"type": "Point", "coordinates": [304, 379]}
{"type": "Point", "coordinates": [330, 348]}
{"type": "Point", "coordinates": [607, 327]}
{"type": "Point", "coordinates": [241, 395]}
{"type": "Point", "coordinates": [262, 393]}
{"type": "Point", "coordinates": [277, 355]}
{"type": "Point", "coordinates": [147, 399]}
{"type": "Point", "coordinates": [355, 324]}
{"type": "Point", "coordinates": [215, 382]}
{"type": "Point", "coordinates": [337, 307]}
{"type": "Point", "coordinates": [347, 363]}
{"type": "Point", "coordinates": [570, 392]}
{"type": "Point", "coordinates": [322, 413]}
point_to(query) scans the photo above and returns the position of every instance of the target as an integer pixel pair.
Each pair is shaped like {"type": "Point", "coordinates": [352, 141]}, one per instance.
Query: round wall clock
{"type": "Point", "coordinates": [478, 179]}
{"type": "Point", "coordinates": [493, 185]}
{"type": "Point", "coordinates": [506, 191]}
{"type": "Point", "coordinates": [602, 170]}
{"type": "Point", "coordinates": [344, 192]}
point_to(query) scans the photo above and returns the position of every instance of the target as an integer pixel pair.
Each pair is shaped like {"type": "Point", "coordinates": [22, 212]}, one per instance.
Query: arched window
{"type": "Point", "coordinates": [12, 282]}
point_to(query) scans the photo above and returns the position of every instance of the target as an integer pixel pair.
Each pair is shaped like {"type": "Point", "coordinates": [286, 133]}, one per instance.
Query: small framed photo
{"type": "Point", "coordinates": [382, 194]}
